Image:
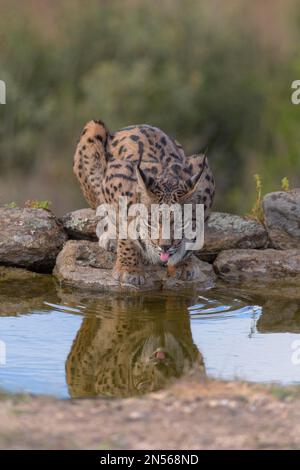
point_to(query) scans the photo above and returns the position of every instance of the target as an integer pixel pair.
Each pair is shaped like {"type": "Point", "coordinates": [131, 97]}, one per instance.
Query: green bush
{"type": "Point", "coordinates": [201, 73]}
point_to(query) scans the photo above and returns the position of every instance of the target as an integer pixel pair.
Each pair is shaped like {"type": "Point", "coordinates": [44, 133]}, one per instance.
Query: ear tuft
{"type": "Point", "coordinates": [196, 181]}
{"type": "Point", "coordinates": [144, 183]}
{"type": "Point", "coordinates": [141, 178]}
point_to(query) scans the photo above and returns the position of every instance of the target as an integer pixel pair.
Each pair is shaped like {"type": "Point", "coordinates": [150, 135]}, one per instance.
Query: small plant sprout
{"type": "Point", "coordinates": [285, 184]}
{"type": "Point", "coordinates": [257, 211]}
{"type": "Point", "coordinates": [11, 205]}
{"type": "Point", "coordinates": [35, 204]}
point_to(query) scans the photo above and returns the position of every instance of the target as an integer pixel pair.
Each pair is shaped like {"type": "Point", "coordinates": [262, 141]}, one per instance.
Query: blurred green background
{"type": "Point", "coordinates": [215, 74]}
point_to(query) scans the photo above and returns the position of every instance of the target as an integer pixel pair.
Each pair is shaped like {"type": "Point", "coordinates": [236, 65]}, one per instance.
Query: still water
{"type": "Point", "coordinates": [64, 343]}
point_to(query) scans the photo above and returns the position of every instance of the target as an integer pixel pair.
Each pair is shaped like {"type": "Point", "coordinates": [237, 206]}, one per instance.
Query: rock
{"type": "Point", "coordinates": [259, 266]}
{"type": "Point", "coordinates": [225, 231]}
{"type": "Point", "coordinates": [83, 264]}
{"type": "Point", "coordinates": [282, 218]}
{"type": "Point", "coordinates": [30, 238]}
{"type": "Point", "coordinates": [81, 224]}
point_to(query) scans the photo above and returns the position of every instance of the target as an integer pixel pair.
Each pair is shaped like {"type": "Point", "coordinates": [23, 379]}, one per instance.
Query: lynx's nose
{"type": "Point", "coordinates": [165, 248]}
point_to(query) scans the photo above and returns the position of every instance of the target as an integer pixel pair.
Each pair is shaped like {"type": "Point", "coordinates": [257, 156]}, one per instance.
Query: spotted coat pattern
{"type": "Point", "coordinates": [144, 164]}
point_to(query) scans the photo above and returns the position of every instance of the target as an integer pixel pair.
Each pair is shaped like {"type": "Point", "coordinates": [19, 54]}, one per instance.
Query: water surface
{"type": "Point", "coordinates": [75, 344]}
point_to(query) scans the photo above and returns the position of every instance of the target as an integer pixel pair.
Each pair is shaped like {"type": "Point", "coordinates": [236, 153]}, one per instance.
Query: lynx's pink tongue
{"type": "Point", "coordinates": [160, 355]}
{"type": "Point", "coordinates": [164, 257]}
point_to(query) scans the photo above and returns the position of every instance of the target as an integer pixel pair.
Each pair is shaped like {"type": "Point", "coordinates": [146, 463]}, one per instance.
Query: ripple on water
{"type": "Point", "coordinates": [70, 344]}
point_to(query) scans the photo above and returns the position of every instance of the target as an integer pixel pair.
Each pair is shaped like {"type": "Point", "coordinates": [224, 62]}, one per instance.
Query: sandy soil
{"type": "Point", "coordinates": [190, 415]}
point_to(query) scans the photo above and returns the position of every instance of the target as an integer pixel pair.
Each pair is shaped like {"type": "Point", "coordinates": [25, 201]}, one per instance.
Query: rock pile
{"type": "Point", "coordinates": [236, 249]}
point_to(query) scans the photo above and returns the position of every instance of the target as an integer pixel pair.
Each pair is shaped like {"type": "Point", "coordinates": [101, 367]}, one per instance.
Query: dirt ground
{"type": "Point", "coordinates": [190, 415]}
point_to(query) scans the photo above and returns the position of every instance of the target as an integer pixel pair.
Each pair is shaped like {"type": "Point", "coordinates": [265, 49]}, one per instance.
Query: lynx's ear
{"type": "Point", "coordinates": [144, 184]}
{"type": "Point", "coordinates": [195, 182]}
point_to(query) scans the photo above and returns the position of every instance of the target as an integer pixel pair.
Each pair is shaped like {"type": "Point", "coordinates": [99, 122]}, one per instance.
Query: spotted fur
{"type": "Point", "coordinates": [114, 353]}
{"type": "Point", "coordinates": [144, 164]}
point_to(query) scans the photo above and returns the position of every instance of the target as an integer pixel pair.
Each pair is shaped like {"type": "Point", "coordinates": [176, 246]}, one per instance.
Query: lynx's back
{"type": "Point", "coordinates": [105, 165]}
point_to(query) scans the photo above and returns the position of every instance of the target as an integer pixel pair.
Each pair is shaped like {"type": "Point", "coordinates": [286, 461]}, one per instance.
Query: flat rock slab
{"type": "Point", "coordinates": [282, 218]}
{"type": "Point", "coordinates": [226, 231]}
{"type": "Point", "coordinates": [30, 238]}
{"type": "Point", "coordinates": [83, 264]}
{"type": "Point", "coordinates": [259, 266]}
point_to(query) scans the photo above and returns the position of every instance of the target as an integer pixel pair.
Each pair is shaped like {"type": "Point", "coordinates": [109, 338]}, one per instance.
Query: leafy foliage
{"type": "Point", "coordinates": [11, 205]}
{"type": "Point", "coordinates": [34, 204]}
{"type": "Point", "coordinates": [285, 184]}
{"type": "Point", "coordinates": [207, 75]}
{"type": "Point", "coordinates": [256, 212]}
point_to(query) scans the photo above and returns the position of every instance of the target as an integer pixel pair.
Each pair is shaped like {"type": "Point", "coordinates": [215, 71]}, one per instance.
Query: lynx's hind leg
{"type": "Point", "coordinates": [90, 161]}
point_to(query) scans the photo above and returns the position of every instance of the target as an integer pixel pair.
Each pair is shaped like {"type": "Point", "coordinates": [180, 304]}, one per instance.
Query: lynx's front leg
{"type": "Point", "coordinates": [188, 270]}
{"type": "Point", "coordinates": [128, 268]}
